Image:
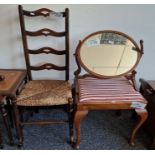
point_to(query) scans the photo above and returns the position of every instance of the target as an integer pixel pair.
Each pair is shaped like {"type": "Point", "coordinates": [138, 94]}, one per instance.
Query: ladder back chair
{"type": "Point", "coordinates": [43, 92]}
{"type": "Point", "coordinates": [109, 59]}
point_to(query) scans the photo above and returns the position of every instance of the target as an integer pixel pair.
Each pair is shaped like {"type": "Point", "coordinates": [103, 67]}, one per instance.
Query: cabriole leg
{"type": "Point", "coordinates": [142, 113]}
{"type": "Point", "coordinates": [79, 115]}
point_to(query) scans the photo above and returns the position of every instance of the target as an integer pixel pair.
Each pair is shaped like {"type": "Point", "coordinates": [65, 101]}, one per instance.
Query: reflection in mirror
{"type": "Point", "coordinates": [108, 54]}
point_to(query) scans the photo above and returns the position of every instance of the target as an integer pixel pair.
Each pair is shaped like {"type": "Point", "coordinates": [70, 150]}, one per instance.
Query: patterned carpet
{"type": "Point", "coordinates": [101, 130]}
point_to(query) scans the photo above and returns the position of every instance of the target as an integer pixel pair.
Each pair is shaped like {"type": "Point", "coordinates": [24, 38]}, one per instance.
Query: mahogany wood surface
{"type": "Point", "coordinates": [13, 79]}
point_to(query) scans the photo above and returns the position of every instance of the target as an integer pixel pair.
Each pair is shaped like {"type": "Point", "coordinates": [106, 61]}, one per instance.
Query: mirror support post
{"type": "Point", "coordinates": [78, 71]}
{"type": "Point", "coordinates": [141, 46]}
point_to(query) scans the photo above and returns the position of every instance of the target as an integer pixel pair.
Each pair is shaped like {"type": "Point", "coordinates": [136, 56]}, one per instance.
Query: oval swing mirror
{"type": "Point", "coordinates": [108, 54]}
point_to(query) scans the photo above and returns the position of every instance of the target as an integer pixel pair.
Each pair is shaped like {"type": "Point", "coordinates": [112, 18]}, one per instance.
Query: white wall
{"type": "Point", "coordinates": [136, 20]}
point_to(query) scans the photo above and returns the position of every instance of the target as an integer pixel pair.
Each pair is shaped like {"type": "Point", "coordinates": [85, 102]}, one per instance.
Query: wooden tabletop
{"type": "Point", "coordinates": [13, 79]}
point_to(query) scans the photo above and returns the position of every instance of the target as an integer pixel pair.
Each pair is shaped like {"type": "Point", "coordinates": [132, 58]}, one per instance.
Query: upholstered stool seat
{"type": "Point", "coordinates": [45, 93]}
{"type": "Point", "coordinates": [107, 90]}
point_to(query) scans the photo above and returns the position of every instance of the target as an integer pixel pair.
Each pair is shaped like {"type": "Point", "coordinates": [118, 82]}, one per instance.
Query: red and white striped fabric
{"type": "Point", "coordinates": [107, 90]}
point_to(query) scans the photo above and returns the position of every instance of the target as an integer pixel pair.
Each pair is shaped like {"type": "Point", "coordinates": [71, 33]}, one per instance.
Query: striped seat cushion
{"type": "Point", "coordinates": [108, 90]}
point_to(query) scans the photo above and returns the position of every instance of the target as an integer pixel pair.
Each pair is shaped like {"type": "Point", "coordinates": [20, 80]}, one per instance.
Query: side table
{"type": "Point", "coordinates": [9, 87]}
{"type": "Point", "coordinates": [147, 89]}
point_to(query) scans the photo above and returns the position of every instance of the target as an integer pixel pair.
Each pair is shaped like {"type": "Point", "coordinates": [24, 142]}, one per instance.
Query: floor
{"type": "Point", "coordinates": [101, 130]}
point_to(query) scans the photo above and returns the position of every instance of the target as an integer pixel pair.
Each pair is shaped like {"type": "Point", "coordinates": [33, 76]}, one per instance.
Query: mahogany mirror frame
{"type": "Point", "coordinates": [81, 64]}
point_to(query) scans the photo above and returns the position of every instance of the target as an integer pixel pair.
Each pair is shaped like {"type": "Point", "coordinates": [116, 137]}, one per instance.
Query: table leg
{"type": "Point", "coordinates": [9, 109]}
{"type": "Point", "coordinates": [70, 118]}
{"type": "Point", "coordinates": [5, 119]}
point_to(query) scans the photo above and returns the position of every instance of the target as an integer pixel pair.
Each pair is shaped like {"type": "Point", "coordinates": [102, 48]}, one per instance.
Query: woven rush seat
{"type": "Point", "coordinates": [45, 93]}
{"type": "Point", "coordinates": [107, 90]}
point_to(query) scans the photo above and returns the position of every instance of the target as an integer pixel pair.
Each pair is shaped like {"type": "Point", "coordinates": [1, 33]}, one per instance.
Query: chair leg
{"type": "Point", "coordinates": [1, 141]}
{"type": "Point", "coordinates": [7, 125]}
{"type": "Point", "coordinates": [142, 113]}
{"type": "Point", "coordinates": [9, 109]}
{"type": "Point", "coordinates": [17, 123]}
{"type": "Point", "coordinates": [153, 145]}
{"type": "Point", "coordinates": [70, 118]}
{"type": "Point", "coordinates": [79, 115]}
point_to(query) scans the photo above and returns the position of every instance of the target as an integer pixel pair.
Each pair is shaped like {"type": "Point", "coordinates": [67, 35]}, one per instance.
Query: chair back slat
{"type": "Point", "coordinates": [46, 32]}
{"type": "Point", "coordinates": [48, 50]}
{"type": "Point", "coordinates": [43, 12]}
{"type": "Point", "coordinates": [48, 66]}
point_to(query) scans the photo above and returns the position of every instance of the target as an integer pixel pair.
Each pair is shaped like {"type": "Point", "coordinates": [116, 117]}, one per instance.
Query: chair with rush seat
{"type": "Point", "coordinates": [109, 58]}
{"type": "Point", "coordinates": [48, 92]}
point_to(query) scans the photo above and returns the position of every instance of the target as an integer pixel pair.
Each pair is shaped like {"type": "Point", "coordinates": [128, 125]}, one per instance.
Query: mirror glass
{"type": "Point", "coordinates": [108, 54]}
